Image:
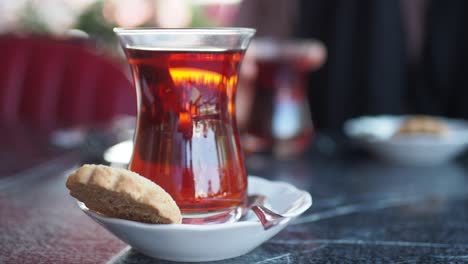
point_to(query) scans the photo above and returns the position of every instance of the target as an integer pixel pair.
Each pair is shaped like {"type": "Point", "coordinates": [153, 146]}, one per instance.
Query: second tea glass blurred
{"type": "Point", "coordinates": [273, 109]}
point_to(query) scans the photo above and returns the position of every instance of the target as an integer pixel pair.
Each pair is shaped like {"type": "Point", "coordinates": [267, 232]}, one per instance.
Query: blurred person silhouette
{"type": "Point", "coordinates": [384, 57]}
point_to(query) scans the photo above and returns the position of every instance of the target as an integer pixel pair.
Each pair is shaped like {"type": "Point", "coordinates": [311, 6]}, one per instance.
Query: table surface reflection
{"type": "Point", "coordinates": [364, 211]}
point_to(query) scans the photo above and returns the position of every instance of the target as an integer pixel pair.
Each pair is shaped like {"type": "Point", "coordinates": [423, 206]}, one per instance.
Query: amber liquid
{"type": "Point", "coordinates": [280, 119]}
{"type": "Point", "coordinates": [186, 139]}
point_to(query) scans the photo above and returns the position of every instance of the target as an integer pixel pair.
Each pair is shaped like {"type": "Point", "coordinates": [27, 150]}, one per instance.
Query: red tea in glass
{"type": "Point", "coordinates": [186, 138]}
{"type": "Point", "coordinates": [280, 119]}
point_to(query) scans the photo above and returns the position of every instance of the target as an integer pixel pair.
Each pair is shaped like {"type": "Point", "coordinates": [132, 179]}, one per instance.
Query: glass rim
{"type": "Point", "coordinates": [200, 30]}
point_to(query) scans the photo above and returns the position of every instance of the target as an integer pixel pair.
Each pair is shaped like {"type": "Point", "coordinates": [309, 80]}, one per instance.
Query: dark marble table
{"type": "Point", "coordinates": [364, 211]}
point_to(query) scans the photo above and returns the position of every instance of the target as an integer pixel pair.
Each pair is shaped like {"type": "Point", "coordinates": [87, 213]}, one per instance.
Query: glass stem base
{"type": "Point", "coordinates": [230, 215]}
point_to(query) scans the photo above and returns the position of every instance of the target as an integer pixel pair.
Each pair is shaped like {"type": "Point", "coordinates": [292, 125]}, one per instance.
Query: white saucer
{"type": "Point", "coordinates": [375, 133]}
{"type": "Point", "coordinates": [209, 242]}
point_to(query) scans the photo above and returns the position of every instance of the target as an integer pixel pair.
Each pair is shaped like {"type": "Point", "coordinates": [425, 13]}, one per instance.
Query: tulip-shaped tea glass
{"type": "Point", "coordinates": [280, 119]}
{"type": "Point", "coordinates": [186, 138]}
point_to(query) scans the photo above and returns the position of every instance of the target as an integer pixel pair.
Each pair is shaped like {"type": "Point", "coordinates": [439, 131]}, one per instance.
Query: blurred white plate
{"type": "Point", "coordinates": [120, 154]}
{"type": "Point", "coordinates": [376, 135]}
{"type": "Point", "coordinates": [209, 242]}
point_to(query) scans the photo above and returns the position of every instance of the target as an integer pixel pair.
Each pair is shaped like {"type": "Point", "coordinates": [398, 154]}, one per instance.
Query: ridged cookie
{"type": "Point", "coordinates": [422, 125]}
{"type": "Point", "coordinates": [123, 194]}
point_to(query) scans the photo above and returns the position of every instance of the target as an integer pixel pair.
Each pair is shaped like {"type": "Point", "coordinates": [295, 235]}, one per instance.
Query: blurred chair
{"type": "Point", "coordinates": [60, 83]}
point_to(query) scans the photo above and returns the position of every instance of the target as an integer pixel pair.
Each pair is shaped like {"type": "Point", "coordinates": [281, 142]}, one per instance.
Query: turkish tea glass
{"type": "Point", "coordinates": [280, 120]}
{"type": "Point", "coordinates": [186, 138]}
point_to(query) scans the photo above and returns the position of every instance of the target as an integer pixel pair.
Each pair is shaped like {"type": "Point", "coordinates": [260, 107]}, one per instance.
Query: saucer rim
{"type": "Point", "coordinates": [305, 198]}
{"type": "Point", "coordinates": [350, 126]}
